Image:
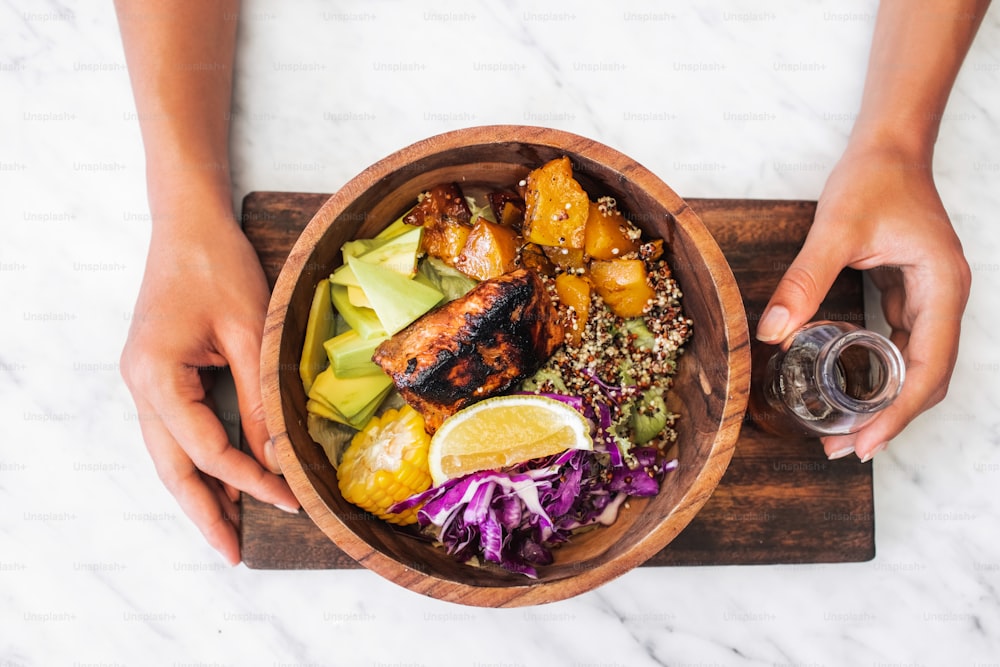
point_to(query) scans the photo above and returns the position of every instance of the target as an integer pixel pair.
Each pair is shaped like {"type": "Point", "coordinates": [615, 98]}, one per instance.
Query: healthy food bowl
{"type": "Point", "coordinates": [709, 393]}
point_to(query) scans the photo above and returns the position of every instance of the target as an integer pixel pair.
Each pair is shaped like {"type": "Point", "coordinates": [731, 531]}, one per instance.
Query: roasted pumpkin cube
{"type": "Point", "coordinates": [445, 217]}
{"type": "Point", "coordinates": [622, 284]}
{"type": "Point", "coordinates": [556, 207]}
{"type": "Point", "coordinates": [490, 250]}
{"type": "Point", "coordinates": [574, 296]}
{"type": "Point", "coordinates": [445, 240]}
{"type": "Point", "coordinates": [508, 209]}
{"type": "Point", "coordinates": [444, 201]}
{"type": "Point", "coordinates": [567, 259]}
{"type": "Point", "coordinates": [533, 257]}
{"type": "Point", "coordinates": [608, 234]}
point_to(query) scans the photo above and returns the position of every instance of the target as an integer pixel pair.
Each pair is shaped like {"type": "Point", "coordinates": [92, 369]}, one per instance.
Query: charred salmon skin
{"type": "Point", "coordinates": [479, 345]}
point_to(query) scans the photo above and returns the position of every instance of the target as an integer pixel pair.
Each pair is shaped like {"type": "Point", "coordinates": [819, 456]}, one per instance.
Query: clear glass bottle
{"type": "Point", "coordinates": [828, 378]}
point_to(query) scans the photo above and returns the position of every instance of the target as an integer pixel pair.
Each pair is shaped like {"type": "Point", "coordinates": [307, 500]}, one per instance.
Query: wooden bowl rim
{"type": "Point", "coordinates": [735, 328]}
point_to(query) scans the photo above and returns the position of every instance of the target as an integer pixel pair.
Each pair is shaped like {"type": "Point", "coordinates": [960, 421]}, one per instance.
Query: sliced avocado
{"type": "Point", "coordinates": [319, 408]}
{"type": "Point", "coordinates": [398, 253]}
{"type": "Point", "coordinates": [360, 420]}
{"type": "Point", "coordinates": [649, 417]}
{"type": "Point", "coordinates": [396, 300]}
{"type": "Point", "coordinates": [324, 410]}
{"type": "Point", "coordinates": [357, 297]}
{"type": "Point", "coordinates": [450, 282]}
{"type": "Point", "coordinates": [358, 247]}
{"type": "Point", "coordinates": [348, 396]}
{"type": "Point", "coordinates": [396, 228]}
{"type": "Point", "coordinates": [351, 355]}
{"type": "Point", "coordinates": [543, 376]}
{"type": "Point", "coordinates": [362, 320]}
{"type": "Point", "coordinates": [343, 275]}
{"type": "Point", "coordinates": [319, 327]}
{"type": "Point", "coordinates": [644, 337]}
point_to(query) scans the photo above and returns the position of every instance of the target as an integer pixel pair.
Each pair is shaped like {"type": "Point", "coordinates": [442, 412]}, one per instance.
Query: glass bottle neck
{"type": "Point", "coordinates": [860, 371]}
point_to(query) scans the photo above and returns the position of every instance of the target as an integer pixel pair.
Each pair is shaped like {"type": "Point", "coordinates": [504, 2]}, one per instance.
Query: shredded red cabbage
{"type": "Point", "coordinates": [513, 518]}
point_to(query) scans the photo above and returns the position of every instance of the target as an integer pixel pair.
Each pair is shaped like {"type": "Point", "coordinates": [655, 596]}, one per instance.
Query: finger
{"type": "Point", "coordinates": [801, 289]}
{"type": "Point", "coordinates": [180, 477]}
{"type": "Point", "coordinates": [838, 446]}
{"type": "Point", "coordinates": [900, 338]}
{"type": "Point", "coordinates": [231, 492]}
{"type": "Point", "coordinates": [923, 387]}
{"type": "Point", "coordinates": [200, 434]}
{"type": "Point", "coordinates": [930, 351]}
{"type": "Point", "coordinates": [894, 305]}
{"type": "Point", "coordinates": [243, 352]}
{"type": "Point", "coordinates": [230, 508]}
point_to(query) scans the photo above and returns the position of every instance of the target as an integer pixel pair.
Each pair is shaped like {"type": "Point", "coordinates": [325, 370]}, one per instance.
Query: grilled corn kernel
{"type": "Point", "coordinates": [385, 463]}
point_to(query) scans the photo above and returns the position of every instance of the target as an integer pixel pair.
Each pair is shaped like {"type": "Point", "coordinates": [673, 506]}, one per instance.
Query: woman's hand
{"type": "Point", "coordinates": [201, 305]}
{"type": "Point", "coordinates": [203, 297]}
{"type": "Point", "coordinates": [880, 211]}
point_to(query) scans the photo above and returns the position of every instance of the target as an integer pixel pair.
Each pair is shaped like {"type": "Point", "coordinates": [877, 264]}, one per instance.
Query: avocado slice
{"type": "Point", "coordinates": [351, 355]}
{"type": "Point", "coordinates": [397, 227]}
{"type": "Point", "coordinates": [357, 297]}
{"type": "Point", "coordinates": [396, 300]}
{"type": "Point", "coordinates": [348, 396]}
{"type": "Point", "coordinates": [649, 422]}
{"type": "Point", "coordinates": [398, 253]}
{"type": "Point", "coordinates": [362, 320]}
{"type": "Point", "coordinates": [320, 326]}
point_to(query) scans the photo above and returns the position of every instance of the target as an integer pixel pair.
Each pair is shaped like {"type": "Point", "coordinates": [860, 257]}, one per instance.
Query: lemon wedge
{"type": "Point", "coordinates": [503, 431]}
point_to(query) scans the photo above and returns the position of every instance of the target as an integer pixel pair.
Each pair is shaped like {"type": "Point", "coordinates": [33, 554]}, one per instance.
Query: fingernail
{"type": "Point", "coordinates": [841, 453]}
{"type": "Point", "coordinates": [271, 458]}
{"type": "Point", "coordinates": [773, 323]}
{"type": "Point", "coordinates": [870, 455]}
{"type": "Point", "coordinates": [285, 508]}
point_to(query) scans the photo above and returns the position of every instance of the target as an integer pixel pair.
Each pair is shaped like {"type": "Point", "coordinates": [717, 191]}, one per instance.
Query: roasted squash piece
{"type": "Point", "coordinates": [445, 217]}
{"type": "Point", "coordinates": [608, 234]}
{"type": "Point", "coordinates": [534, 258]}
{"type": "Point", "coordinates": [508, 209]}
{"type": "Point", "coordinates": [445, 241]}
{"type": "Point", "coordinates": [574, 295]}
{"type": "Point", "coordinates": [622, 284]}
{"type": "Point", "coordinates": [556, 206]}
{"type": "Point", "coordinates": [490, 250]}
{"type": "Point", "coordinates": [566, 258]}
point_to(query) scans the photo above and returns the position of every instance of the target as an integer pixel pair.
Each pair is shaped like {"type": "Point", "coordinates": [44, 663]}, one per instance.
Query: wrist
{"type": "Point", "coordinates": [188, 191]}
{"type": "Point", "coordinates": [907, 143]}
{"type": "Point", "coordinates": [193, 222]}
{"type": "Point", "coordinates": [913, 138]}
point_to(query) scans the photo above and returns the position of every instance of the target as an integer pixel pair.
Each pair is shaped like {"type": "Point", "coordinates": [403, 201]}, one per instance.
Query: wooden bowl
{"type": "Point", "coordinates": [710, 392]}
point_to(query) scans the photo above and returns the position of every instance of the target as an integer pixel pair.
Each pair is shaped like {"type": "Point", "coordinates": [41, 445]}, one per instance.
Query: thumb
{"type": "Point", "coordinates": [800, 291]}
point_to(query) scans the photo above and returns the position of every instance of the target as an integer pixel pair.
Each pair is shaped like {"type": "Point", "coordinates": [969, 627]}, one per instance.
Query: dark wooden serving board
{"type": "Point", "coordinates": [780, 501]}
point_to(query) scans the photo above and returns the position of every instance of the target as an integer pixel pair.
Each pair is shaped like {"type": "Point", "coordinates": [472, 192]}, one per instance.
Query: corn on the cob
{"type": "Point", "coordinates": [385, 463]}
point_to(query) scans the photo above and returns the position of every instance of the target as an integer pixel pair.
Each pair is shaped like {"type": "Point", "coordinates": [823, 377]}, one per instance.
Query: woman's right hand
{"type": "Point", "coordinates": [881, 211]}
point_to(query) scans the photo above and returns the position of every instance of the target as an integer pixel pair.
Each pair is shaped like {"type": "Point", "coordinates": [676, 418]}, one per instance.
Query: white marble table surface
{"type": "Point", "coordinates": [722, 99]}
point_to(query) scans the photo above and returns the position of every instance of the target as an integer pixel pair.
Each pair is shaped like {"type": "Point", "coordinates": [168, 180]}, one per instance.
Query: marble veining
{"type": "Point", "coordinates": [721, 99]}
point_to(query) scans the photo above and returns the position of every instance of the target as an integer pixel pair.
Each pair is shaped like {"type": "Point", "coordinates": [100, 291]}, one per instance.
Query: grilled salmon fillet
{"type": "Point", "coordinates": [476, 346]}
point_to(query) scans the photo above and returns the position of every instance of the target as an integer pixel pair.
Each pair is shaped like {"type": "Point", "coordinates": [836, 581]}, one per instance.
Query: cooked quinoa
{"type": "Point", "coordinates": [594, 369]}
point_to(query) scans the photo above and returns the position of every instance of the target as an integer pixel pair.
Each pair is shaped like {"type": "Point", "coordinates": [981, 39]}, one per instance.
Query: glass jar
{"type": "Point", "coordinates": [828, 378]}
